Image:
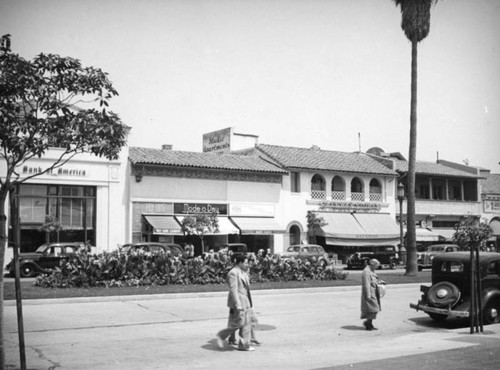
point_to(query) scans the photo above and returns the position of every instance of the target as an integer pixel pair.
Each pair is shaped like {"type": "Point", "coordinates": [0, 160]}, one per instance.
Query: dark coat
{"type": "Point", "coordinates": [370, 300]}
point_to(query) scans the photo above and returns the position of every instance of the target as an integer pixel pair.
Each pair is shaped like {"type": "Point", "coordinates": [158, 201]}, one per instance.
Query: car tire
{"type": "Point", "coordinates": [27, 270]}
{"type": "Point", "coordinates": [438, 317]}
{"type": "Point", "coordinates": [420, 268]}
{"type": "Point", "coordinates": [443, 294]}
{"type": "Point", "coordinates": [491, 312]}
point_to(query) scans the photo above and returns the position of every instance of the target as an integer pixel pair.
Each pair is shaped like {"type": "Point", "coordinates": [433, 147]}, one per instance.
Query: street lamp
{"type": "Point", "coordinates": [401, 197]}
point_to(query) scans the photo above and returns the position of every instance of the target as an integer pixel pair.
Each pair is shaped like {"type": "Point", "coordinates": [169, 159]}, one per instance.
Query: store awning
{"type": "Point", "coordinates": [447, 234]}
{"type": "Point", "coordinates": [163, 225]}
{"type": "Point", "coordinates": [225, 225]}
{"type": "Point", "coordinates": [359, 229]}
{"type": "Point", "coordinates": [426, 235]}
{"type": "Point", "coordinates": [258, 225]}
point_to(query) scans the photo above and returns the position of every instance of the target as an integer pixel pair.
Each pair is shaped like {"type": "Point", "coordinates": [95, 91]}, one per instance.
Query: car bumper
{"type": "Point", "coordinates": [442, 311]}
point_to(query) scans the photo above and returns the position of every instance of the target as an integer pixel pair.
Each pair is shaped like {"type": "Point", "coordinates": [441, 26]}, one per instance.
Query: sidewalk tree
{"type": "Point", "coordinates": [415, 22]}
{"type": "Point", "coordinates": [50, 101]}
{"type": "Point", "coordinates": [314, 224]}
{"type": "Point", "coordinates": [472, 234]}
{"type": "Point", "coordinates": [200, 224]}
{"type": "Point", "coordinates": [51, 225]}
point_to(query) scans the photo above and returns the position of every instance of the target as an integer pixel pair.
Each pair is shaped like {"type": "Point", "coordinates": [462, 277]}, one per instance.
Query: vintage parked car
{"type": "Point", "coordinates": [450, 292]}
{"type": "Point", "coordinates": [45, 259]}
{"type": "Point", "coordinates": [233, 247]}
{"type": "Point", "coordinates": [306, 252]}
{"type": "Point", "coordinates": [385, 254]}
{"type": "Point", "coordinates": [424, 259]}
{"type": "Point", "coordinates": [152, 247]}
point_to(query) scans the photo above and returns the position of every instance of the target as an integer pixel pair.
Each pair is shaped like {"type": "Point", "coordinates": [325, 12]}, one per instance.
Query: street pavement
{"type": "Point", "coordinates": [316, 328]}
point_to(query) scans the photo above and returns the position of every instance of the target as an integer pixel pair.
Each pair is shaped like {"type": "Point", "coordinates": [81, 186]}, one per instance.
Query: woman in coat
{"type": "Point", "coordinates": [370, 297]}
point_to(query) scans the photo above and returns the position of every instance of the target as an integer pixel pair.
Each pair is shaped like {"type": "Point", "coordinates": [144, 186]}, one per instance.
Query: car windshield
{"type": "Point", "coordinates": [126, 248]}
{"type": "Point", "coordinates": [435, 249]}
{"type": "Point", "coordinates": [41, 248]}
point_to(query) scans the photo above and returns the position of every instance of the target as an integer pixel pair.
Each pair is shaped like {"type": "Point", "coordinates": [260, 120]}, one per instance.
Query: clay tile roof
{"type": "Point", "coordinates": [433, 168]}
{"type": "Point", "coordinates": [324, 160]}
{"type": "Point", "coordinates": [177, 158]}
{"type": "Point", "coordinates": [491, 185]}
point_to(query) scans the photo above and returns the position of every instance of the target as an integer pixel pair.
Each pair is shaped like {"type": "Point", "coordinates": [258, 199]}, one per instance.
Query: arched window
{"type": "Point", "coordinates": [357, 191]}
{"type": "Point", "coordinates": [338, 188]}
{"type": "Point", "coordinates": [375, 191]}
{"type": "Point", "coordinates": [294, 235]}
{"type": "Point", "coordinates": [318, 187]}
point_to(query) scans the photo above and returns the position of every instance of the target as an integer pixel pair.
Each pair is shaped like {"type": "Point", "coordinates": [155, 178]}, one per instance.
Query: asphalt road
{"type": "Point", "coordinates": [315, 328]}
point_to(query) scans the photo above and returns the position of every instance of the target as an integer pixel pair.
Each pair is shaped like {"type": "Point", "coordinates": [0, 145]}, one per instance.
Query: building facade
{"type": "Point", "coordinates": [445, 193]}
{"type": "Point", "coordinates": [490, 199]}
{"type": "Point", "coordinates": [351, 192]}
{"type": "Point", "coordinates": [84, 197]}
{"type": "Point", "coordinates": [167, 185]}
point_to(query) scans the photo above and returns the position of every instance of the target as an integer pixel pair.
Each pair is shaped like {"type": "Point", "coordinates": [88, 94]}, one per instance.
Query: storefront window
{"type": "Point", "coordinates": [73, 206]}
{"type": "Point", "coordinates": [32, 210]}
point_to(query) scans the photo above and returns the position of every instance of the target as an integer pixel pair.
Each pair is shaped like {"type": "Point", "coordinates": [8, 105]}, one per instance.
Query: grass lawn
{"type": "Point", "coordinates": [29, 291]}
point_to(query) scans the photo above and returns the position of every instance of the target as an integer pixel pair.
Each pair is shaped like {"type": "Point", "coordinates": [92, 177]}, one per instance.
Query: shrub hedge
{"type": "Point", "coordinates": [115, 269]}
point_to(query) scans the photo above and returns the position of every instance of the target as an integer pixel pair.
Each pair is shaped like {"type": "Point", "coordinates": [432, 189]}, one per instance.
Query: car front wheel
{"type": "Point", "coordinates": [27, 270]}
{"type": "Point", "coordinates": [437, 317]}
{"type": "Point", "coordinates": [491, 314]}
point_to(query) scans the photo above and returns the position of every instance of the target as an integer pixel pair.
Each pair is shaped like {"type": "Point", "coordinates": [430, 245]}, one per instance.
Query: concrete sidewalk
{"type": "Point", "coordinates": [300, 329]}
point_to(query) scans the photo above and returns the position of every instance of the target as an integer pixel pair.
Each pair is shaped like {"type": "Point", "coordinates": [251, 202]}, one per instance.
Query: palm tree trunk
{"type": "Point", "coordinates": [411, 248]}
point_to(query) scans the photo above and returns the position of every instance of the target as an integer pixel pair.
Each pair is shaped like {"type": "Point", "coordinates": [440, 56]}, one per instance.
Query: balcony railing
{"type": "Point", "coordinates": [338, 195]}
{"type": "Point", "coordinates": [318, 194]}
{"type": "Point", "coordinates": [360, 197]}
{"type": "Point", "coordinates": [375, 197]}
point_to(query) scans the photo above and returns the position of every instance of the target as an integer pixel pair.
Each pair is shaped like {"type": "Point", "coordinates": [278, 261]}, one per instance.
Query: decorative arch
{"type": "Point", "coordinates": [318, 187]}
{"type": "Point", "coordinates": [375, 190]}
{"type": "Point", "coordinates": [357, 189]}
{"type": "Point", "coordinates": [338, 188]}
{"type": "Point", "coordinates": [495, 225]}
{"type": "Point", "coordinates": [294, 233]}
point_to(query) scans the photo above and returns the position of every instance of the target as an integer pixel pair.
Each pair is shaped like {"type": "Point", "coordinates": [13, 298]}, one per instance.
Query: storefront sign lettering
{"type": "Point", "coordinates": [194, 208]}
{"type": "Point", "coordinates": [62, 171]}
{"type": "Point", "coordinates": [334, 206]}
{"type": "Point", "coordinates": [217, 141]}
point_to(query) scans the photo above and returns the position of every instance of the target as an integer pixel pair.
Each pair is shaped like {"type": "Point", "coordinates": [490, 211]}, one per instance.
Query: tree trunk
{"type": "Point", "coordinates": [3, 246]}
{"type": "Point", "coordinates": [411, 248]}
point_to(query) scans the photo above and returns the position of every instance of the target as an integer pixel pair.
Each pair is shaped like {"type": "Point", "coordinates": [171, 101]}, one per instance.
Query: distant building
{"type": "Point", "coordinates": [490, 197]}
{"type": "Point", "coordinates": [445, 192]}
{"type": "Point", "coordinates": [167, 185]}
{"type": "Point", "coordinates": [352, 192]}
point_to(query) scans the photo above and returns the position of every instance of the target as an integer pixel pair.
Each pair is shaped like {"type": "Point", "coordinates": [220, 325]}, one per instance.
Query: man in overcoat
{"type": "Point", "coordinates": [370, 297]}
{"type": "Point", "coordinates": [239, 301]}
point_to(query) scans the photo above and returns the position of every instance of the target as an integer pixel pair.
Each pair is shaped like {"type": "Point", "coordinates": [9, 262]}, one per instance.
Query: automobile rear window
{"type": "Point", "coordinates": [451, 266]}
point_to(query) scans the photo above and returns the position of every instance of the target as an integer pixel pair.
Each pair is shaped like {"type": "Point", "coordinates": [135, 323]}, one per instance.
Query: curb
{"type": "Point", "coordinates": [147, 297]}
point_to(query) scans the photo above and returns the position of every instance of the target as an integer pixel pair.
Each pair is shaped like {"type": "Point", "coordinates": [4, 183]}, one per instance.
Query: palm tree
{"type": "Point", "coordinates": [415, 22]}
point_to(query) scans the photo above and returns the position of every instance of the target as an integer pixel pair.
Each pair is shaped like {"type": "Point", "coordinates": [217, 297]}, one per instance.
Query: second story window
{"type": "Point", "coordinates": [338, 188]}
{"type": "Point", "coordinates": [295, 182]}
{"type": "Point", "coordinates": [357, 192]}
{"type": "Point", "coordinates": [318, 187]}
{"type": "Point", "coordinates": [375, 191]}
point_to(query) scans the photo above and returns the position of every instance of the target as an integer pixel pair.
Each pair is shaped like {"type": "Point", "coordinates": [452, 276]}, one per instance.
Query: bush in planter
{"type": "Point", "coordinates": [139, 268]}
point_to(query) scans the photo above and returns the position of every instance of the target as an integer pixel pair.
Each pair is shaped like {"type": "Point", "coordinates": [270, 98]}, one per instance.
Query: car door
{"type": "Point", "coordinates": [304, 253]}
{"type": "Point", "coordinates": [50, 257]}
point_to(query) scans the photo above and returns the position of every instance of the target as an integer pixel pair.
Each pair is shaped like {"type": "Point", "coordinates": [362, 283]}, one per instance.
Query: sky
{"type": "Point", "coordinates": [331, 73]}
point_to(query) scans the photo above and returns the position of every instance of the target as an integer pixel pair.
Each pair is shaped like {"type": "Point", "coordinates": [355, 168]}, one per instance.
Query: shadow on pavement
{"type": "Point", "coordinates": [353, 327]}
{"type": "Point", "coordinates": [212, 346]}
